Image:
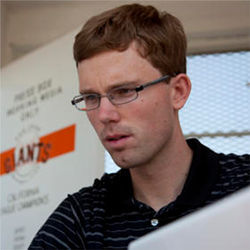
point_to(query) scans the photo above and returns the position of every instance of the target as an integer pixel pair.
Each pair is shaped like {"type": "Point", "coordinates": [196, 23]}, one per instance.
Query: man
{"type": "Point", "coordinates": [131, 63]}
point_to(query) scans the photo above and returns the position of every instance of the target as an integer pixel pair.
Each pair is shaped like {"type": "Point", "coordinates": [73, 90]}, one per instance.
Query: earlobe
{"type": "Point", "coordinates": [181, 87]}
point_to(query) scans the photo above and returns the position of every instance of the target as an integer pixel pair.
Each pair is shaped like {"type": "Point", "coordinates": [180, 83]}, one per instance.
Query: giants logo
{"type": "Point", "coordinates": [22, 161]}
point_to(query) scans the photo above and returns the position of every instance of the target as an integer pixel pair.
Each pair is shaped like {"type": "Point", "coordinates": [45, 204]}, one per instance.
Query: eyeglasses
{"type": "Point", "coordinates": [117, 96]}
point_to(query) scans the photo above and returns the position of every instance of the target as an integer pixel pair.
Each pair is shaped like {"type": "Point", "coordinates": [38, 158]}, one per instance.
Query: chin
{"type": "Point", "coordinates": [128, 159]}
{"type": "Point", "coordinates": [125, 163]}
{"type": "Point", "coordinates": [122, 164]}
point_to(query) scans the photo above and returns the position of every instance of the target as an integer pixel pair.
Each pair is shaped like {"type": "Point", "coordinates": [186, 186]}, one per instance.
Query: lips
{"type": "Point", "coordinates": [116, 137]}
{"type": "Point", "coordinates": [116, 141]}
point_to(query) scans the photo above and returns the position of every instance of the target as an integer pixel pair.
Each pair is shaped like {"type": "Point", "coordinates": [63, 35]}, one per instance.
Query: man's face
{"type": "Point", "coordinates": [134, 133]}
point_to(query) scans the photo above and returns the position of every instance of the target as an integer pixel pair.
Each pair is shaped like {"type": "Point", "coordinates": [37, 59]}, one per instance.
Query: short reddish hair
{"type": "Point", "coordinates": [159, 35]}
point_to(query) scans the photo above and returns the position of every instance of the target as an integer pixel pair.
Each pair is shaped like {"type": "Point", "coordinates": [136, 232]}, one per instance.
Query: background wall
{"type": "Point", "coordinates": [211, 26]}
{"type": "Point", "coordinates": [48, 148]}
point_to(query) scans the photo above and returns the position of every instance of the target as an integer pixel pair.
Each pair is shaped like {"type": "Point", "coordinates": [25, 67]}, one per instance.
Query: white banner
{"type": "Point", "coordinates": [48, 148]}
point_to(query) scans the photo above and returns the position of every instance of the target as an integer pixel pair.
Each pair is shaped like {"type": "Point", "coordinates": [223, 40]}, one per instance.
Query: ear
{"type": "Point", "coordinates": [181, 87]}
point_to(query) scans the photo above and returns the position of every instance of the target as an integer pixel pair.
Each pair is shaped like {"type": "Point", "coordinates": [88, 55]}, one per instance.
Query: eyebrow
{"type": "Point", "coordinates": [114, 86]}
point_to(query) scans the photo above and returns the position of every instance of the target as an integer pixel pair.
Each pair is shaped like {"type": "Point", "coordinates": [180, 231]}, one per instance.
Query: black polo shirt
{"type": "Point", "coordinates": [106, 215]}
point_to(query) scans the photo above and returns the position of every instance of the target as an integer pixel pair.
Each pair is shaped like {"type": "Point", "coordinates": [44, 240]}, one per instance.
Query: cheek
{"type": "Point", "coordinates": [156, 115]}
{"type": "Point", "coordinates": [146, 114]}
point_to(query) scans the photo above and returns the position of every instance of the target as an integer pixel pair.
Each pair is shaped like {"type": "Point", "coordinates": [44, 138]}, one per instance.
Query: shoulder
{"type": "Point", "coordinates": [233, 164]}
{"type": "Point", "coordinates": [234, 173]}
{"type": "Point", "coordinates": [94, 196]}
{"type": "Point", "coordinates": [97, 192]}
{"type": "Point", "coordinates": [67, 227]}
{"type": "Point", "coordinates": [59, 231]}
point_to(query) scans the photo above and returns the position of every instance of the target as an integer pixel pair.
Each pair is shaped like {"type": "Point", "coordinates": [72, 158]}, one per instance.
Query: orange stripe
{"type": "Point", "coordinates": [52, 145]}
{"type": "Point", "coordinates": [7, 161]}
{"type": "Point", "coordinates": [58, 143]}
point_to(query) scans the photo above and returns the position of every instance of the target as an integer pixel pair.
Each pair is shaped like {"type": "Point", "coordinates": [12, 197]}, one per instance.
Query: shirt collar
{"type": "Point", "coordinates": [201, 177]}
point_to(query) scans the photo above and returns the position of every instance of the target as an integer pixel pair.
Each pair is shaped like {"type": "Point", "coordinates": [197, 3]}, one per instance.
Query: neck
{"type": "Point", "coordinates": [161, 181]}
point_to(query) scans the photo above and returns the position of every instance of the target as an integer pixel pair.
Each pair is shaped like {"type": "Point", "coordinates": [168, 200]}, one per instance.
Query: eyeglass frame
{"type": "Point", "coordinates": [108, 95]}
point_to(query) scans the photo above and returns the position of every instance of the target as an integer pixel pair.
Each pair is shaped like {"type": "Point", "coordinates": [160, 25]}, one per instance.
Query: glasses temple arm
{"type": "Point", "coordinates": [75, 101]}
{"type": "Point", "coordinates": [163, 78]}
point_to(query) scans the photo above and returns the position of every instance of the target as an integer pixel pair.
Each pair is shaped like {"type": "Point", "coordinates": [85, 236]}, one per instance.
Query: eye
{"type": "Point", "coordinates": [122, 92]}
{"type": "Point", "coordinates": [90, 98]}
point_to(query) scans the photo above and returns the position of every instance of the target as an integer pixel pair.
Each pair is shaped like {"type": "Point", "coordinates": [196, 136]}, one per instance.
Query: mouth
{"type": "Point", "coordinates": [116, 138]}
{"type": "Point", "coordinates": [116, 141]}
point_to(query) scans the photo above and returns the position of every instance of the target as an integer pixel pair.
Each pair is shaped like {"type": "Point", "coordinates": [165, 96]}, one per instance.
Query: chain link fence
{"type": "Point", "coordinates": [218, 109]}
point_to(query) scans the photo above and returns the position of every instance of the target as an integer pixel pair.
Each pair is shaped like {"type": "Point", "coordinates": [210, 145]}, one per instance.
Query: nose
{"type": "Point", "coordinates": [107, 111]}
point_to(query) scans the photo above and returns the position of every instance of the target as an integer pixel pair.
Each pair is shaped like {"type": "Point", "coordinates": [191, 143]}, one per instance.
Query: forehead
{"type": "Point", "coordinates": [114, 67]}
